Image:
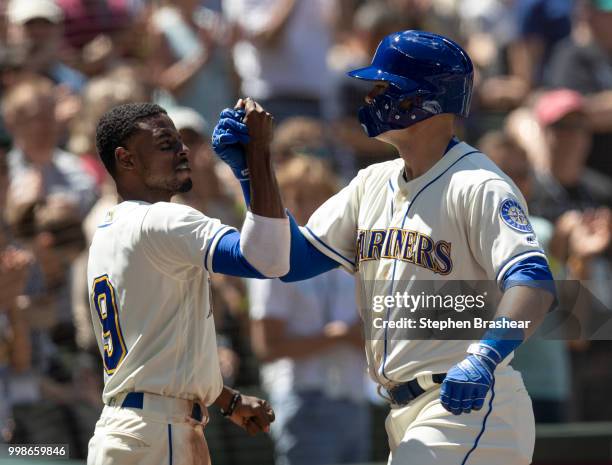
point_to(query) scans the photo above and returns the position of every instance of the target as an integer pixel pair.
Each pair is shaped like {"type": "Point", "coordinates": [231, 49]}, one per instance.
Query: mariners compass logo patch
{"type": "Point", "coordinates": [513, 215]}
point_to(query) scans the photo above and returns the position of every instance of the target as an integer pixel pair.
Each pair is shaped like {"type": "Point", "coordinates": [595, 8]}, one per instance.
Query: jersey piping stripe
{"type": "Point", "coordinates": [484, 424]}
{"type": "Point", "coordinates": [213, 244]}
{"type": "Point", "coordinates": [314, 236]}
{"type": "Point", "coordinates": [395, 259]}
{"type": "Point", "coordinates": [106, 225]}
{"type": "Point", "coordinates": [392, 205]}
{"type": "Point", "coordinates": [513, 260]}
{"type": "Point", "coordinates": [169, 444]}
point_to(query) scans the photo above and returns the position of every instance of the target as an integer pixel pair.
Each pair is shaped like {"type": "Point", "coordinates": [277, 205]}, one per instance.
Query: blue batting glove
{"type": "Point", "coordinates": [466, 385]}
{"type": "Point", "coordinates": [228, 138]}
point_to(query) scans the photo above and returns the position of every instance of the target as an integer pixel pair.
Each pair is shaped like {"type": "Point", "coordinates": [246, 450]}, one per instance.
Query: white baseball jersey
{"type": "Point", "coordinates": [150, 300]}
{"type": "Point", "coordinates": [464, 219]}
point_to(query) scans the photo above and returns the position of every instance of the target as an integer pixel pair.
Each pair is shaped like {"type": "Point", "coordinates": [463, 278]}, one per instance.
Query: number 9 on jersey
{"type": "Point", "coordinates": [105, 303]}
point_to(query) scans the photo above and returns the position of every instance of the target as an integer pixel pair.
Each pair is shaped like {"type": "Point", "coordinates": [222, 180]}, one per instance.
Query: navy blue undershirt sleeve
{"type": "Point", "coordinates": [306, 260]}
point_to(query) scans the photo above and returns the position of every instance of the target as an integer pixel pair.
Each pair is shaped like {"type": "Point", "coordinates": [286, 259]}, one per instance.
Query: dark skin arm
{"type": "Point", "coordinates": [265, 195]}
{"type": "Point", "coordinates": [523, 303]}
{"type": "Point", "coordinates": [251, 413]}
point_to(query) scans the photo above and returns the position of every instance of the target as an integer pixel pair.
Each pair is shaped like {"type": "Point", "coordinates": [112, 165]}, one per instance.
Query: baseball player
{"type": "Point", "coordinates": [442, 211]}
{"type": "Point", "coordinates": [148, 276]}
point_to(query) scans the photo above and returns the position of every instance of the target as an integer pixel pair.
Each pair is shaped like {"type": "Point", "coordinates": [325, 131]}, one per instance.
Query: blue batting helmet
{"type": "Point", "coordinates": [431, 70]}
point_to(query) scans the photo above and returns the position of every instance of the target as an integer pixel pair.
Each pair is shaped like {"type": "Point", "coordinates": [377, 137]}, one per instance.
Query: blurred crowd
{"type": "Point", "coordinates": [542, 110]}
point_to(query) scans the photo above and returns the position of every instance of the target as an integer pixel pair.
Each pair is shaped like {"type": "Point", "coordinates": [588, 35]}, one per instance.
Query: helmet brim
{"type": "Point", "coordinates": [372, 73]}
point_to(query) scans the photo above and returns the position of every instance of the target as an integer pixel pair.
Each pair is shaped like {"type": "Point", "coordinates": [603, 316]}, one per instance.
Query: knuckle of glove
{"type": "Point", "coordinates": [233, 125]}
{"type": "Point", "coordinates": [474, 370]}
{"type": "Point", "coordinates": [230, 113]}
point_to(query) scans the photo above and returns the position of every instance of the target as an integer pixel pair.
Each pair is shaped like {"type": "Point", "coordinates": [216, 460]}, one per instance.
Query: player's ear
{"type": "Point", "coordinates": [124, 159]}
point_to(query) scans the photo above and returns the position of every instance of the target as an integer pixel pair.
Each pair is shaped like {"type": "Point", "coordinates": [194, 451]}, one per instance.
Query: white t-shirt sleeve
{"type": "Point", "coordinates": [332, 229]}
{"type": "Point", "coordinates": [500, 233]}
{"type": "Point", "coordinates": [178, 238]}
{"type": "Point", "coordinates": [270, 298]}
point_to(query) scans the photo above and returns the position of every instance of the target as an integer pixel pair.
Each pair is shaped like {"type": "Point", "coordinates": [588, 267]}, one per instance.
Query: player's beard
{"type": "Point", "coordinates": [172, 186]}
{"type": "Point", "coordinates": [185, 186]}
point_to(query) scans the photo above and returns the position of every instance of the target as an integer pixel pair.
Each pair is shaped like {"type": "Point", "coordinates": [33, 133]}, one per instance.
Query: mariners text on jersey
{"type": "Point", "coordinates": [405, 245]}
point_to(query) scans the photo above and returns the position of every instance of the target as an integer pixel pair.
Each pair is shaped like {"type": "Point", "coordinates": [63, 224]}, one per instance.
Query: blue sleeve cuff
{"type": "Point", "coordinates": [306, 260]}
{"type": "Point", "coordinates": [532, 271]}
{"type": "Point", "coordinates": [228, 258]}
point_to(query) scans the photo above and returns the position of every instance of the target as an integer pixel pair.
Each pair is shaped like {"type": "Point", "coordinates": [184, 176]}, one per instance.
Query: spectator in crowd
{"type": "Point", "coordinates": [49, 196]}
{"type": "Point", "coordinates": [584, 64]}
{"type": "Point", "coordinates": [308, 336]}
{"type": "Point", "coordinates": [372, 21]}
{"type": "Point", "coordinates": [576, 200]}
{"type": "Point", "coordinates": [568, 185]}
{"type": "Point", "coordinates": [36, 164]}
{"type": "Point", "coordinates": [14, 331]}
{"type": "Point", "coordinates": [509, 43]}
{"type": "Point", "coordinates": [14, 339]}
{"type": "Point", "coordinates": [52, 230]}
{"type": "Point", "coordinates": [541, 24]}
{"type": "Point", "coordinates": [438, 16]}
{"type": "Point", "coordinates": [85, 20]}
{"type": "Point", "coordinates": [36, 27]}
{"type": "Point", "coordinates": [99, 33]}
{"type": "Point", "coordinates": [299, 134]}
{"type": "Point", "coordinates": [544, 364]}
{"type": "Point", "coordinates": [120, 85]}
{"type": "Point", "coordinates": [189, 56]}
{"type": "Point", "coordinates": [491, 32]}
{"type": "Point", "coordinates": [34, 298]}
{"type": "Point", "coordinates": [281, 53]}
{"type": "Point", "coordinates": [3, 22]}
{"type": "Point", "coordinates": [57, 389]}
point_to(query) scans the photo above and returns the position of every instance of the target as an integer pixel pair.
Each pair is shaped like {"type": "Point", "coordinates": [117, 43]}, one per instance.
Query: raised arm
{"type": "Point", "coordinates": [242, 140]}
{"type": "Point", "coordinates": [265, 196]}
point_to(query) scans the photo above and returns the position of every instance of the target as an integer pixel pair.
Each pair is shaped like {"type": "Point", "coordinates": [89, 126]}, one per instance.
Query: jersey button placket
{"type": "Point", "coordinates": [400, 203]}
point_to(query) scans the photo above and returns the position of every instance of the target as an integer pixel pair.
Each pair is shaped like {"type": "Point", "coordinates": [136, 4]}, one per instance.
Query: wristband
{"type": "Point", "coordinates": [232, 405]}
{"type": "Point", "coordinates": [245, 184]}
{"type": "Point", "coordinates": [485, 351]}
{"type": "Point", "coordinates": [497, 343]}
